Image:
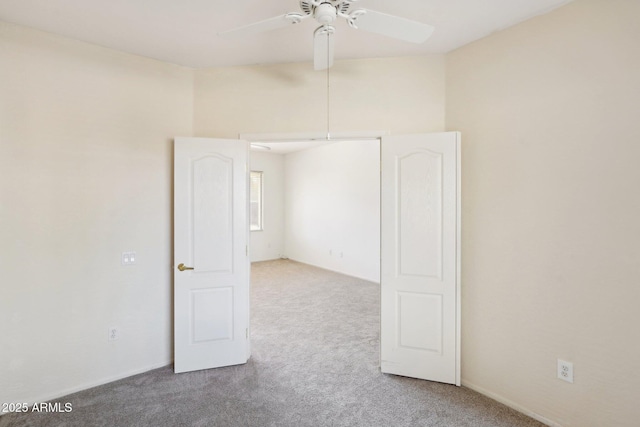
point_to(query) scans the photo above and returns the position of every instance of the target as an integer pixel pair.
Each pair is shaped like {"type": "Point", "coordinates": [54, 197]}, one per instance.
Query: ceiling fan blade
{"type": "Point", "coordinates": [393, 26]}
{"type": "Point", "coordinates": [259, 27]}
{"type": "Point", "coordinates": [323, 52]}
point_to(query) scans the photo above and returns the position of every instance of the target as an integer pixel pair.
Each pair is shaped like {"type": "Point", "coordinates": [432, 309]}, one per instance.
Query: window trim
{"type": "Point", "coordinates": [260, 226]}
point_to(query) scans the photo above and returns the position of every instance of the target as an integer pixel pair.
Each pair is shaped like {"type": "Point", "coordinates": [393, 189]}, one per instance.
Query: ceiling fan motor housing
{"type": "Point", "coordinates": [325, 13]}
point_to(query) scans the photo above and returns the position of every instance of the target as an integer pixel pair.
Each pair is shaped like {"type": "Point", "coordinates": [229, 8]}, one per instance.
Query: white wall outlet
{"type": "Point", "coordinates": [565, 371]}
{"type": "Point", "coordinates": [114, 334]}
{"type": "Point", "coordinates": [128, 258]}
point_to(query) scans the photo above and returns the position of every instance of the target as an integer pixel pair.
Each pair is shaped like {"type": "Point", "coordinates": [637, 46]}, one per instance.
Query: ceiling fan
{"type": "Point", "coordinates": [326, 13]}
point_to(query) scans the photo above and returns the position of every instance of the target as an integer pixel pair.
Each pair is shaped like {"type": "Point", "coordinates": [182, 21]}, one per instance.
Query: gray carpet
{"type": "Point", "coordinates": [315, 345]}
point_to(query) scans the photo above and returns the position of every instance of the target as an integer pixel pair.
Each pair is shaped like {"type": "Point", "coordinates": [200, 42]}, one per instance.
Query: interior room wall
{"type": "Point", "coordinates": [398, 95]}
{"type": "Point", "coordinates": [332, 207]}
{"type": "Point", "coordinates": [548, 113]}
{"type": "Point", "coordinates": [85, 174]}
{"type": "Point", "coordinates": [268, 243]}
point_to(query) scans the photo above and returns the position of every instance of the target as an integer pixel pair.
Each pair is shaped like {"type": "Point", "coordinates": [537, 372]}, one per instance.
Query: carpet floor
{"type": "Point", "coordinates": [315, 362]}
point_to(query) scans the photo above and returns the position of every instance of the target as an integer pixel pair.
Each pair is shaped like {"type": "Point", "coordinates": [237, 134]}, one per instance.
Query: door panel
{"type": "Point", "coordinates": [212, 314]}
{"type": "Point", "coordinates": [211, 297]}
{"type": "Point", "coordinates": [426, 335]}
{"type": "Point", "coordinates": [419, 269]}
{"type": "Point", "coordinates": [419, 186]}
{"type": "Point", "coordinates": [212, 213]}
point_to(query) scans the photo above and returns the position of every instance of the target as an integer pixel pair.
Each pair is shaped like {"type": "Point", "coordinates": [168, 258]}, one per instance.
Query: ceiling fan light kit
{"type": "Point", "coordinates": [326, 13]}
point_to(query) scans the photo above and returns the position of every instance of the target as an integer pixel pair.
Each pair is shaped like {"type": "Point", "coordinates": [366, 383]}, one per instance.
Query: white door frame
{"type": "Point", "coordinates": [311, 136]}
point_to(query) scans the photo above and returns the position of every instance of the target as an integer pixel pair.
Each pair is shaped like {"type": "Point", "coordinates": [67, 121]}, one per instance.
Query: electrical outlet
{"type": "Point", "coordinates": [565, 371]}
{"type": "Point", "coordinates": [114, 334]}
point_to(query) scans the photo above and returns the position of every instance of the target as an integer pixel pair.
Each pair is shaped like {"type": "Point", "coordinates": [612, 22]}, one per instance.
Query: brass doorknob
{"type": "Point", "coordinates": [183, 267]}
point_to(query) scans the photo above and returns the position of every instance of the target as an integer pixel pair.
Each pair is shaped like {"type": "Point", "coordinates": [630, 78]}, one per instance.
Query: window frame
{"type": "Point", "coordinates": [260, 201]}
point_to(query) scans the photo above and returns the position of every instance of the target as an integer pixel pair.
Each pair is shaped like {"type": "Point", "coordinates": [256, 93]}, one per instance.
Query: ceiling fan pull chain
{"type": "Point", "coordinates": [329, 34]}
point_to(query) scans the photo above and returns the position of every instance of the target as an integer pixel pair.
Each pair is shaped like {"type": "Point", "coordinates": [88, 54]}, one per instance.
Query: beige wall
{"type": "Point", "coordinates": [400, 95]}
{"type": "Point", "coordinates": [85, 173]}
{"type": "Point", "coordinates": [548, 112]}
{"type": "Point", "coordinates": [551, 211]}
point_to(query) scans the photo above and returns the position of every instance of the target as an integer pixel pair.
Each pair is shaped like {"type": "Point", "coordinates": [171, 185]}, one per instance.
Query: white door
{"type": "Point", "coordinates": [420, 277]}
{"type": "Point", "coordinates": [211, 262]}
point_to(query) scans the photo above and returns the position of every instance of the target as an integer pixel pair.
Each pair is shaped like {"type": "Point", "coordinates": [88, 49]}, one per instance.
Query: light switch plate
{"type": "Point", "coordinates": [128, 258]}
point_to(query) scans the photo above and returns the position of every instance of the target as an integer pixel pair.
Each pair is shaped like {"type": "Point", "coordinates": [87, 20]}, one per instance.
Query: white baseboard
{"type": "Point", "coordinates": [334, 271]}
{"type": "Point", "coordinates": [85, 386]}
{"type": "Point", "coordinates": [510, 404]}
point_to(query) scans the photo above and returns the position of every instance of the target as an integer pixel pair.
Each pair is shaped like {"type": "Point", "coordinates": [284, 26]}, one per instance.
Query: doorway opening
{"type": "Point", "coordinates": [320, 204]}
{"type": "Point", "coordinates": [320, 208]}
{"type": "Point", "coordinates": [419, 198]}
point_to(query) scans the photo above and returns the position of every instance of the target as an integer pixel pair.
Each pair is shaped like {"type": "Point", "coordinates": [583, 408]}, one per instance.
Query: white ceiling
{"type": "Point", "coordinates": [184, 32]}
